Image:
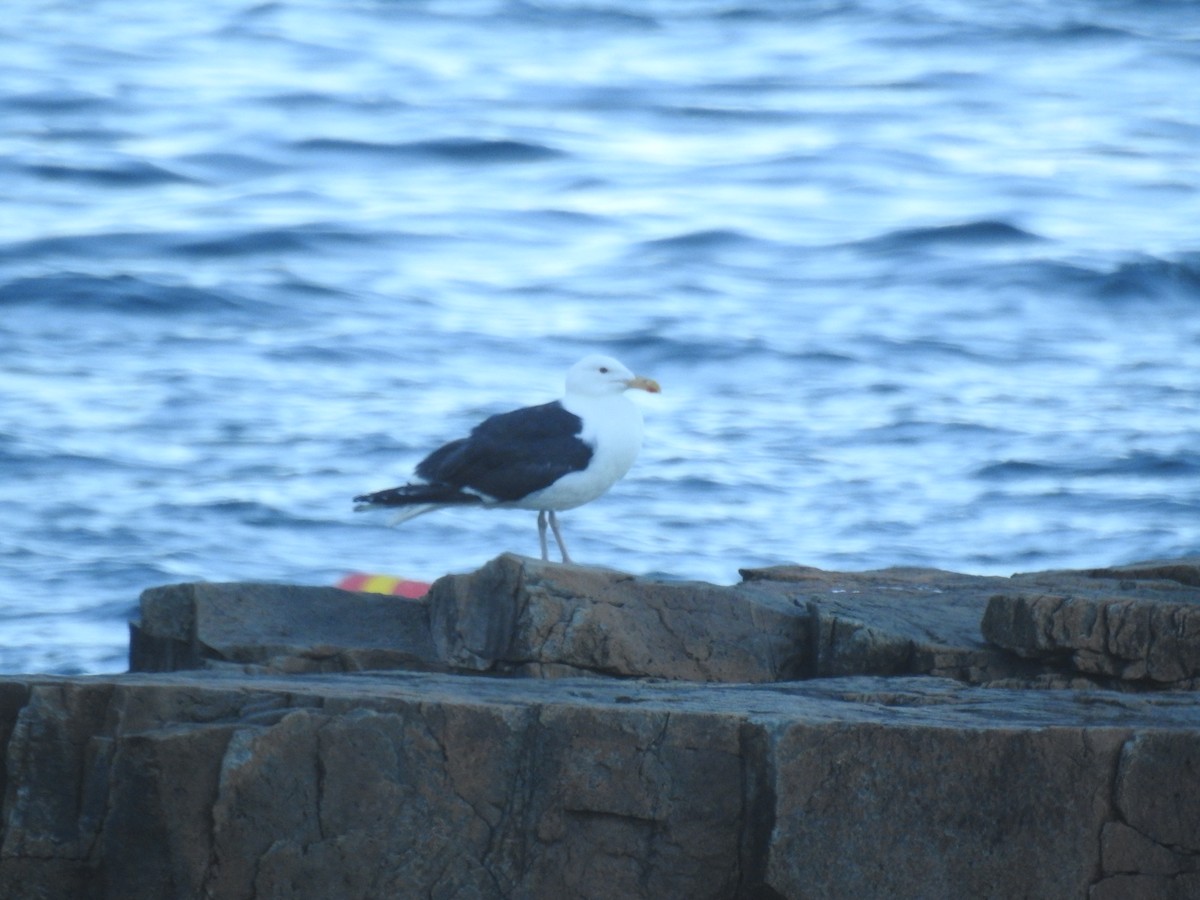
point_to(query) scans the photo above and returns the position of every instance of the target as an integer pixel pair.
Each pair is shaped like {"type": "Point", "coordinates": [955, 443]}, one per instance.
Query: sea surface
{"type": "Point", "coordinates": [920, 280]}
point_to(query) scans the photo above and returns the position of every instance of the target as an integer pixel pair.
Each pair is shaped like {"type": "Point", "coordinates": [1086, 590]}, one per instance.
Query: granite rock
{"type": "Point", "coordinates": [418, 784]}
{"type": "Point", "coordinates": [895, 621]}
{"type": "Point", "coordinates": [516, 615]}
{"type": "Point", "coordinates": [1137, 624]}
{"type": "Point", "coordinates": [536, 730]}
{"type": "Point", "coordinates": [277, 628]}
{"type": "Point", "coordinates": [519, 616]}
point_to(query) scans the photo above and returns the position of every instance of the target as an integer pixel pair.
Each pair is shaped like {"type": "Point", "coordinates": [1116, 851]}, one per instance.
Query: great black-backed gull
{"type": "Point", "coordinates": [551, 457]}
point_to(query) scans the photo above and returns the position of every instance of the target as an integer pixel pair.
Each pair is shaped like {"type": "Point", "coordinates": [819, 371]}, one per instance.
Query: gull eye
{"type": "Point", "coordinates": [604, 370]}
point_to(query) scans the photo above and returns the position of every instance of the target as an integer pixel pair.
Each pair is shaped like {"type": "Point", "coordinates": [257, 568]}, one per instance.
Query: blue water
{"type": "Point", "coordinates": [921, 282]}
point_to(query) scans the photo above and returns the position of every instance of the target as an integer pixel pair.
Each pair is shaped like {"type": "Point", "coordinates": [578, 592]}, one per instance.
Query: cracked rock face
{"type": "Point", "coordinates": [425, 784]}
{"type": "Point", "coordinates": [535, 730]}
{"type": "Point", "coordinates": [515, 616]}
{"type": "Point", "coordinates": [1137, 624]}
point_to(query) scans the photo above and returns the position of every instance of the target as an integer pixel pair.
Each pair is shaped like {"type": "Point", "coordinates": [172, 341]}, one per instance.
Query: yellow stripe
{"type": "Point", "coordinates": [379, 584]}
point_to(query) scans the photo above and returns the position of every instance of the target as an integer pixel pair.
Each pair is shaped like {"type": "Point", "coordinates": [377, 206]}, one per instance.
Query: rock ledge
{"type": "Point", "coordinates": [533, 730]}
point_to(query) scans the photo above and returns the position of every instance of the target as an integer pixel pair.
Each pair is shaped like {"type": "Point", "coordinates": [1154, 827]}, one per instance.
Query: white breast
{"type": "Point", "coordinates": [612, 426]}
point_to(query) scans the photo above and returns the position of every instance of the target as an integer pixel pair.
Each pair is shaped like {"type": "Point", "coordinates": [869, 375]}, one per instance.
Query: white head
{"type": "Point", "coordinates": [598, 375]}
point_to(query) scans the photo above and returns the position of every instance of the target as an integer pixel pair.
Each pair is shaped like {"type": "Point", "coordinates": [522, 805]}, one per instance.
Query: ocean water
{"type": "Point", "coordinates": [920, 280]}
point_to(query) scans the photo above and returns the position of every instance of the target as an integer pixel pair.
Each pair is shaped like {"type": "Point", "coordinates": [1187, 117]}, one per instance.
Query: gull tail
{"type": "Point", "coordinates": [412, 500]}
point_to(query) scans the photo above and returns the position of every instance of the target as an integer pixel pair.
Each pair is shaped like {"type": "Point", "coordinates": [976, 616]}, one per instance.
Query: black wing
{"type": "Point", "coordinates": [513, 454]}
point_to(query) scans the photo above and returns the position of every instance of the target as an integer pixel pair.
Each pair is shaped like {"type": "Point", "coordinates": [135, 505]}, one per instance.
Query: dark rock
{"type": "Point", "coordinates": [849, 793]}
{"type": "Point", "coordinates": [895, 621]}
{"type": "Point", "coordinates": [525, 617]}
{"type": "Point", "coordinates": [1185, 571]}
{"type": "Point", "coordinates": [1139, 624]}
{"type": "Point", "coordinates": [238, 786]}
{"type": "Point", "coordinates": [277, 628]}
{"type": "Point", "coordinates": [717, 746]}
{"type": "Point", "coordinates": [516, 615]}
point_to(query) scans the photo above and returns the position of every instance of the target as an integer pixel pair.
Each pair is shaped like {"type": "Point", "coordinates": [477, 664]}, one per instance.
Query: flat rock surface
{"type": "Point", "coordinates": [930, 702]}
{"type": "Point", "coordinates": [287, 628]}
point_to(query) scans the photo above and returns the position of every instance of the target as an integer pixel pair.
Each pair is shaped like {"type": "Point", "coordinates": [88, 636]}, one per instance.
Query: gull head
{"type": "Point", "coordinates": [597, 375]}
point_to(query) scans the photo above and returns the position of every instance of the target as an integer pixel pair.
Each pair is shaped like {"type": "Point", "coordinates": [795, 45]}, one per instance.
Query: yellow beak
{"type": "Point", "coordinates": [645, 384]}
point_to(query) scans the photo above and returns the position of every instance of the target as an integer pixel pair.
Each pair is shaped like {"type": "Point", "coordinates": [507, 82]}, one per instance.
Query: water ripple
{"type": "Point", "coordinates": [464, 151]}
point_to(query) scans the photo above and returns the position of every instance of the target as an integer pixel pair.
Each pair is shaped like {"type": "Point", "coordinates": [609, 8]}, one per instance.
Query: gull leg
{"type": "Point", "coordinates": [558, 537]}
{"type": "Point", "coordinates": [542, 534]}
